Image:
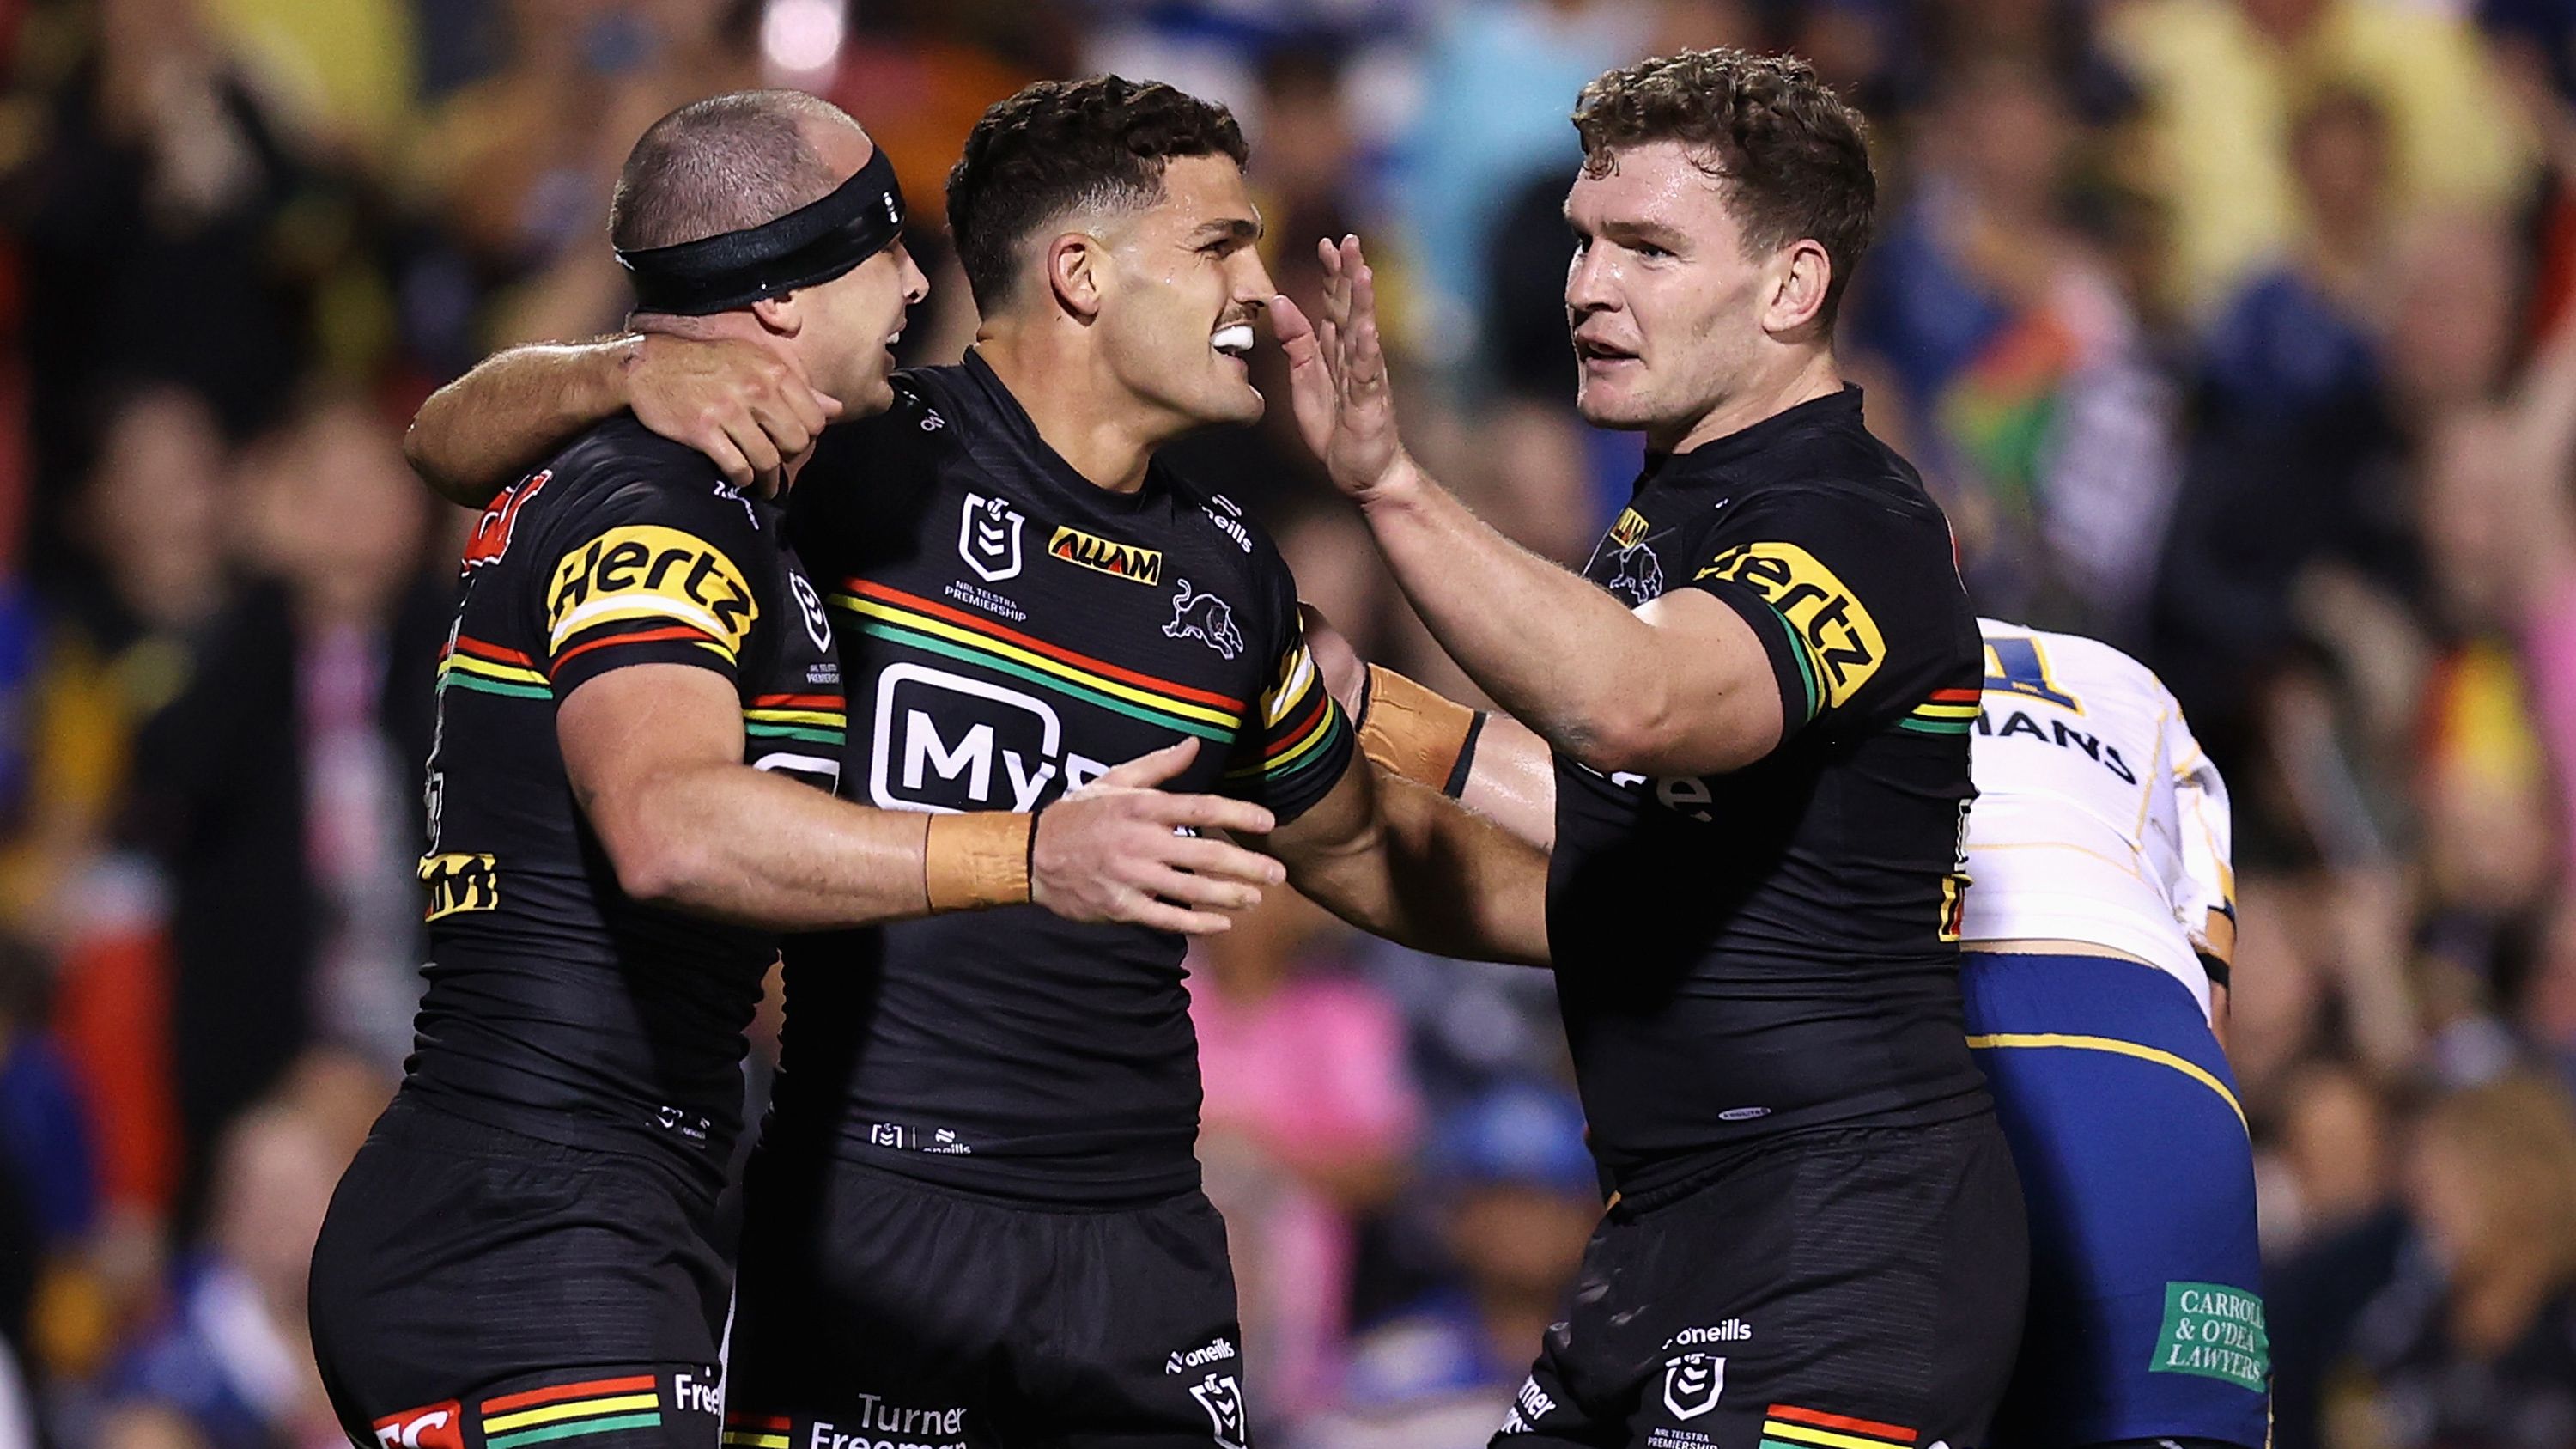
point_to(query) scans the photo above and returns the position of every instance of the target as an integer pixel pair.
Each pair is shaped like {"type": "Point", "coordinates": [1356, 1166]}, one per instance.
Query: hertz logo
{"type": "Point", "coordinates": [1119, 560]}
{"type": "Point", "coordinates": [1839, 634]}
{"type": "Point", "coordinates": [1630, 530]}
{"type": "Point", "coordinates": [459, 884]}
{"type": "Point", "coordinates": [644, 571]}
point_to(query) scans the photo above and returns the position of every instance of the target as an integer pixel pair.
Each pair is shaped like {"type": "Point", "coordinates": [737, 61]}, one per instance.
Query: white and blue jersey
{"type": "Point", "coordinates": [2097, 857]}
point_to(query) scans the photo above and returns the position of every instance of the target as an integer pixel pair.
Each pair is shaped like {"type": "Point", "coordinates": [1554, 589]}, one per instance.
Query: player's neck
{"type": "Point", "coordinates": [1802, 380]}
{"type": "Point", "coordinates": [1079, 410]}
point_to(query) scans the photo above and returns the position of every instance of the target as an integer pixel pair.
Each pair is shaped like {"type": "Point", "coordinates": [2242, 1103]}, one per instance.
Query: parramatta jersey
{"type": "Point", "coordinates": [1011, 630]}
{"type": "Point", "coordinates": [557, 1005]}
{"type": "Point", "coordinates": [1751, 953]}
{"type": "Point", "coordinates": [2098, 818]}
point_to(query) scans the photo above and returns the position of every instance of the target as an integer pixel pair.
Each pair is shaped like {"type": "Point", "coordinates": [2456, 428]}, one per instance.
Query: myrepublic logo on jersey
{"type": "Point", "coordinates": [646, 571]}
{"type": "Point", "coordinates": [947, 742]}
{"type": "Point", "coordinates": [1841, 638]}
{"type": "Point", "coordinates": [1222, 1397]}
{"type": "Point", "coordinates": [988, 537]}
{"type": "Point", "coordinates": [438, 1426]}
{"type": "Point", "coordinates": [1130, 561]}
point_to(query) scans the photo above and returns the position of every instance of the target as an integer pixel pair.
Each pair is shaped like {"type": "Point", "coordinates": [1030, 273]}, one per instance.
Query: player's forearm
{"type": "Point", "coordinates": [1423, 873]}
{"type": "Point", "coordinates": [479, 433]}
{"type": "Point", "coordinates": [762, 850]}
{"type": "Point", "coordinates": [1562, 655]}
{"type": "Point", "coordinates": [1512, 781]}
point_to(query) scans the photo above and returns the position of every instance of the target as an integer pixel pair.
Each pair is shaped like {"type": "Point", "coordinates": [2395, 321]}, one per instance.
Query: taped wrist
{"type": "Point", "coordinates": [978, 859]}
{"type": "Point", "coordinates": [1411, 731]}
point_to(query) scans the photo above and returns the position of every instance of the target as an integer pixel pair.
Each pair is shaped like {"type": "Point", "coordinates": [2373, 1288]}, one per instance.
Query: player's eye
{"type": "Point", "coordinates": [1650, 251]}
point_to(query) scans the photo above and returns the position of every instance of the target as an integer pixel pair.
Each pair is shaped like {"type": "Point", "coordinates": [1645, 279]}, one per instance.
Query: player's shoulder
{"type": "Point", "coordinates": [620, 473]}
{"type": "Point", "coordinates": [2077, 659]}
{"type": "Point", "coordinates": [1222, 528]}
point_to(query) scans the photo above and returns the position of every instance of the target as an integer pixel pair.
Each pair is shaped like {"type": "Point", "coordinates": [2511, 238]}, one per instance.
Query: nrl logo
{"type": "Point", "coordinates": [1205, 617]}
{"type": "Point", "coordinates": [1222, 1397]}
{"type": "Point", "coordinates": [988, 537]}
{"type": "Point", "coordinates": [1692, 1382]}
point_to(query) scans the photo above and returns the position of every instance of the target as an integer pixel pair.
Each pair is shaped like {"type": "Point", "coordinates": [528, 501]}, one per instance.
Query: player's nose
{"type": "Point", "coordinates": [1588, 284]}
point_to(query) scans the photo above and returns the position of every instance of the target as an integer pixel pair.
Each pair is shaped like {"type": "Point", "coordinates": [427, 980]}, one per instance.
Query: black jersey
{"type": "Point", "coordinates": [1775, 948]}
{"type": "Point", "coordinates": [1010, 631]}
{"type": "Point", "coordinates": [557, 1004]}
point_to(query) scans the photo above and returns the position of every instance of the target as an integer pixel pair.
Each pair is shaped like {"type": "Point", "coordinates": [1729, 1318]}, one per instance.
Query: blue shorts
{"type": "Point", "coordinates": [2146, 1309]}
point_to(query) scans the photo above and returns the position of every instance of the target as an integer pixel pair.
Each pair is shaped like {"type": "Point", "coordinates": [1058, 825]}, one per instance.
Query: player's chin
{"type": "Point", "coordinates": [1234, 403]}
{"type": "Point", "coordinates": [1605, 404]}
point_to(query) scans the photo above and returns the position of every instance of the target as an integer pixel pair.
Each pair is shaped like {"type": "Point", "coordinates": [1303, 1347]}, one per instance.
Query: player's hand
{"type": "Point", "coordinates": [1337, 381]}
{"type": "Point", "coordinates": [750, 408]}
{"type": "Point", "coordinates": [1345, 672]}
{"type": "Point", "coordinates": [1113, 851]}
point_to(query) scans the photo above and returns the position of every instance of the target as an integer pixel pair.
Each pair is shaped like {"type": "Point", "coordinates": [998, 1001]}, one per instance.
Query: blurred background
{"type": "Point", "coordinates": [2234, 331]}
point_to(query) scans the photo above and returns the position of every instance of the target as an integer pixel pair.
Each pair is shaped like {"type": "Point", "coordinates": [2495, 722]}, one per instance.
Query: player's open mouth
{"type": "Point", "coordinates": [1234, 341]}
{"type": "Point", "coordinates": [1592, 350]}
{"type": "Point", "coordinates": [894, 337]}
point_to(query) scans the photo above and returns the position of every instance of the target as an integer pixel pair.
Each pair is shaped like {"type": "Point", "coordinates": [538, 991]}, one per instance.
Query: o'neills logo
{"type": "Point", "coordinates": [1216, 1351]}
{"type": "Point", "coordinates": [1118, 560]}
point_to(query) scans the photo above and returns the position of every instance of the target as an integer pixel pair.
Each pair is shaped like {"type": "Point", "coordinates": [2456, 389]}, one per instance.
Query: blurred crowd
{"type": "Point", "coordinates": [2237, 332]}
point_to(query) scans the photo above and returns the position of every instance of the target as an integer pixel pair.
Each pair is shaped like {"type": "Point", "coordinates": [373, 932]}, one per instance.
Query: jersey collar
{"type": "Point", "coordinates": [1833, 410]}
{"type": "Point", "coordinates": [1021, 432]}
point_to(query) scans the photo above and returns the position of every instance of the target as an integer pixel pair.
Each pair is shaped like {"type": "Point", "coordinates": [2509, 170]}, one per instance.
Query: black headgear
{"type": "Point", "coordinates": [806, 247]}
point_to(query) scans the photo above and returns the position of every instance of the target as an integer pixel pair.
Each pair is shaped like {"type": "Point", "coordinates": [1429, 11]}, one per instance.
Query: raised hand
{"type": "Point", "coordinates": [748, 407]}
{"type": "Point", "coordinates": [1337, 375]}
{"type": "Point", "coordinates": [1113, 851]}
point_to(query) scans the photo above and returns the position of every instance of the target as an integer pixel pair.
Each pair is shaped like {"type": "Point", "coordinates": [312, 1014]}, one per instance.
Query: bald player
{"type": "Point", "coordinates": [640, 732]}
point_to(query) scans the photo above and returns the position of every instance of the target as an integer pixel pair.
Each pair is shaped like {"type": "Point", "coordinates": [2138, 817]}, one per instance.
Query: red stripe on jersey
{"type": "Point", "coordinates": [1281, 744]}
{"type": "Point", "coordinates": [493, 652]}
{"type": "Point", "coordinates": [533, 1397]}
{"type": "Point", "coordinates": [1839, 1421]}
{"type": "Point", "coordinates": [647, 636]}
{"type": "Point", "coordinates": [1957, 696]}
{"type": "Point", "coordinates": [797, 701]}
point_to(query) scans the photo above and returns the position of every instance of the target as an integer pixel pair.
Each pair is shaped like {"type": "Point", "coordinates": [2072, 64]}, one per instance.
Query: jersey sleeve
{"type": "Point", "coordinates": [1842, 593]}
{"type": "Point", "coordinates": [1295, 745]}
{"type": "Point", "coordinates": [656, 572]}
{"type": "Point", "coordinates": [2207, 884]}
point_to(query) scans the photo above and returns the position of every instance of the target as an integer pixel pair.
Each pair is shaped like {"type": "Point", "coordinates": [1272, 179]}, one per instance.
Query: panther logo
{"type": "Point", "coordinates": [1205, 617]}
{"type": "Point", "coordinates": [1640, 575]}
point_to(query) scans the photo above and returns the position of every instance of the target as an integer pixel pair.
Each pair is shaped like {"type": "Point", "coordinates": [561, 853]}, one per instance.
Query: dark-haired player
{"type": "Point", "coordinates": [975, 1218]}
{"type": "Point", "coordinates": [1758, 694]}
{"type": "Point", "coordinates": [636, 704]}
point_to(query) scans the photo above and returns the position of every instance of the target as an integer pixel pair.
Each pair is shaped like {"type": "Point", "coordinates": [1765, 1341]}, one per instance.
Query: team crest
{"type": "Point", "coordinates": [988, 537]}
{"type": "Point", "coordinates": [1203, 616]}
{"type": "Point", "coordinates": [1692, 1382]}
{"type": "Point", "coordinates": [1222, 1397]}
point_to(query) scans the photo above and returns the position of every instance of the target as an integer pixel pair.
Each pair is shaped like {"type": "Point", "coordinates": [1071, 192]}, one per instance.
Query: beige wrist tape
{"type": "Point", "coordinates": [1407, 729]}
{"type": "Point", "coordinates": [978, 859]}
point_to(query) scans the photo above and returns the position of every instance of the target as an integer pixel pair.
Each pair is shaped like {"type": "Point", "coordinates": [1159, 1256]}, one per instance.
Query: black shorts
{"type": "Point", "coordinates": [875, 1310]}
{"type": "Point", "coordinates": [1850, 1289]}
{"type": "Point", "coordinates": [478, 1289]}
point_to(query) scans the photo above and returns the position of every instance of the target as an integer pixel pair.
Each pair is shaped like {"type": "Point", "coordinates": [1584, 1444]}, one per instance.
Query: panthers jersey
{"type": "Point", "coordinates": [2098, 818]}
{"type": "Point", "coordinates": [557, 1005]}
{"type": "Point", "coordinates": [1774, 948]}
{"type": "Point", "coordinates": [1012, 630]}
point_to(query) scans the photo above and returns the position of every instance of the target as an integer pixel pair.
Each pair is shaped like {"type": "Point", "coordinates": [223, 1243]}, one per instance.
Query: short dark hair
{"type": "Point", "coordinates": [1792, 157]}
{"type": "Point", "coordinates": [1063, 146]}
{"type": "Point", "coordinates": [719, 165]}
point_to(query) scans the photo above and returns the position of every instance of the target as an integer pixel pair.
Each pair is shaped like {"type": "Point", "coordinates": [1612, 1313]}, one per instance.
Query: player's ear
{"type": "Point", "coordinates": [780, 316]}
{"type": "Point", "coordinates": [1801, 275]}
{"type": "Point", "coordinates": [1077, 270]}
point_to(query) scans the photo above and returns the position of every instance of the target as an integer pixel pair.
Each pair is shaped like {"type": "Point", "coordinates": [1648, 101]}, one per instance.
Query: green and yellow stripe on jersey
{"type": "Point", "coordinates": [815, 719]}
{"type": "Point", "coordinates": [571, 1411]}
{"type": "Point", "coordinates": [1787, 1426]}
{"type": "Point", "coordinates": [490, 669]}
{"type": "Point", "coordinates": [1947, 712]}
{"type": "Point", "coordinates": [932, 627]}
